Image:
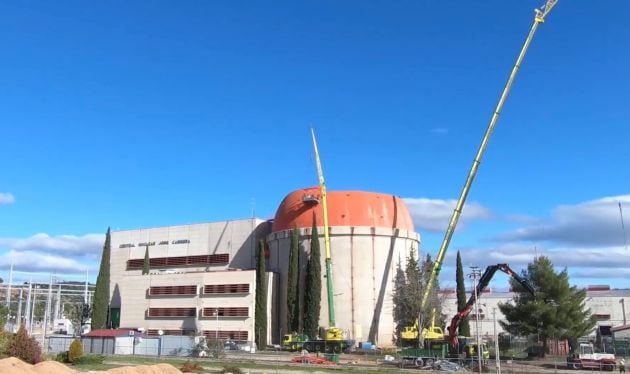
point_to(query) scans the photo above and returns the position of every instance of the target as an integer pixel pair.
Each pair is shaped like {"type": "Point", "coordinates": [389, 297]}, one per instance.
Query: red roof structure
{"type": "Point", "coordinates": [107, 333]}
{"type": "Point", "coordinates": [345, 208]}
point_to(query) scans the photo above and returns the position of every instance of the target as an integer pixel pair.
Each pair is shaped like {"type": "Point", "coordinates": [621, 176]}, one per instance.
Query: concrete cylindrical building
{"type": "Point", "coordinates": [369, 234]}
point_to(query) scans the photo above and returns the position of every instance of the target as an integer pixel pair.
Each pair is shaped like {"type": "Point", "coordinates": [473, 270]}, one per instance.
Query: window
{"type": "Point", "coordinates": [226, 334]}
{"type": "Point", "coordinates": [213, 289]}
{"type": "Point", "coordinates": [166, 262]}
{"type": "Point", "coordinates": [173, 290]}
{"type": "Point", "coordinates": [177, 332]}
{"type": "Point", "coordinates": [171, 312]}
{"type": "Point", "coordinates": [225, 312]}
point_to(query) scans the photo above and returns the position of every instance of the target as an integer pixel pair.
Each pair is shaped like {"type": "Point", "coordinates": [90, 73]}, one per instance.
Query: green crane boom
{"type": "Point", "coordinates": [329, 278]}
{"type": "Point", "coordinates": [538, 19]}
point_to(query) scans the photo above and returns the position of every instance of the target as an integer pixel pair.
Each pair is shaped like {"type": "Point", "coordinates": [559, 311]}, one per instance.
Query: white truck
{"type": "Point", "coordinates": [586, 358]}
{"type": "Point", "coordinates": [63, 326]}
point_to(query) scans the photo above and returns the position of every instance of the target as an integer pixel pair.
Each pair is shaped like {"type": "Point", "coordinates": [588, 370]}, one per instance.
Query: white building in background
{"type": "Point", "coordinates": [201, 279]}
{"type": "Point", "coordinates": [608, 305]}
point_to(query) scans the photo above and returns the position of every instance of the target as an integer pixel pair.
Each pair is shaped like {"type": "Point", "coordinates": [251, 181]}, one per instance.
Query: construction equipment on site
{"type": "Point", "coordinates": [587, 358]}
{"type": "Point", "coordinates": [334, 339]}
{"type": "Point", "coordinates": [409, 334]}
{"type": "Point", "coordinates": [485, 279]}
{"type": "Point", "coordinates": [294, 342]}
{"type": "Point", "coordinates": [540, 15]}
{"type": "Point", "coordinates": [463, 347]}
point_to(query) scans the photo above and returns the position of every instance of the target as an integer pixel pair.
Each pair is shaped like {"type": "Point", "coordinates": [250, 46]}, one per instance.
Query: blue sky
{"type": "Point", "coordinates": [137, 114]}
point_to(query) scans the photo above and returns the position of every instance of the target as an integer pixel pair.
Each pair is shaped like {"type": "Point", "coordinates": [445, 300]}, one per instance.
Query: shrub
{"type": "Point", "coordinates": [76, 350]}
{"type": "Point", "coordinates": [89, 359]}
{"type": "Point", "coordinates": [5, 339]}
{"type": "Point", "coordinates": [24, 347]}
{"type": "Point", "coordinates": [191, 367]}
{"type": "Point", "coordinates": [62, 357]}
{"type": "Point", "coordinates": [231, 369]}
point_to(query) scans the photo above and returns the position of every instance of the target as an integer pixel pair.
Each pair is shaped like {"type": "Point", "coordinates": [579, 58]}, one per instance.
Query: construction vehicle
{"type": "Point", "coordinates": [294, 342]}
{"type": "Point", "coordinates": [540, 15]}
{"type": "Point", "coordinates": [409, 334]}
{"type": "Point", "coordinates": [333, 340]}
{"type": "Point", "coordinates": [587, 358]}
{"type": "Point", "coordinates": [485, 279]}
{"type": "Point", "coordinates": [461, 347]}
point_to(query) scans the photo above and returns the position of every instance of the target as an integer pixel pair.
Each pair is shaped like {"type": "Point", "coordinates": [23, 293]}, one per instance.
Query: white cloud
{"type": "Point", "coordinates": [90, 244]}
{"type": "Point", "coordinates": [593, 223]}
{"type": "Point", "coordinates": [434, 214]}
{"type": "Point", "coordinates": [32, 261]}
{"type": "Point", "coordinates": [6, 198]}
{"type": "Point", "coordinates": [583, 264]}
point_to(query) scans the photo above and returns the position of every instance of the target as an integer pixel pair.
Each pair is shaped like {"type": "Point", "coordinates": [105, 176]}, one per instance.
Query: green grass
{"type": "Point", "coordinates": [211, 365]}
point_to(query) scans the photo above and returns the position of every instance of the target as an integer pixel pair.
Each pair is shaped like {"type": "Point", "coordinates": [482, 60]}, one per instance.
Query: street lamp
{"type": "Point", "coordinates": [475, 273]}
{"type": "Point", "coordinates": [216, 331]}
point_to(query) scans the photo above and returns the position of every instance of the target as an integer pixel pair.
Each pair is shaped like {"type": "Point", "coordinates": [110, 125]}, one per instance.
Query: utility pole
{"type": "Point", "coordinates": [19, 311]}
{"type": "Point", "coordinates": [8, 299]}
{"type": "Point", "coordinates": [496, 341]}
{"type": "Point", "coordinates": [475, 272]}
{"type": "Point", "coordinates": [47, 311]}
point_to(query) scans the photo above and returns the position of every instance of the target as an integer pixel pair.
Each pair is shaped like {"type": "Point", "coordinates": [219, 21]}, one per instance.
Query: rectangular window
{"type": "Point", "coordinates": [176, 332]}
{"type": "Point", "coordinates": [214, 289]}
{"type": "Point", "coordinates": [225, 312]}
{"type": "Point", "coordinates": [226, 334]}
{"type": "Point", "coordinates": [189, 290]}
{"type": "Point", "coordinates": [167, 262]}
{"type": "Point", "coordinates": [171, 312]}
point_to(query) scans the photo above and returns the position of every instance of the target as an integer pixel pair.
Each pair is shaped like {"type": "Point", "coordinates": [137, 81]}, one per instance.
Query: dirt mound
{"type": "Point", "coordinates": [52, 367]}
{"type": "Point", "coordinates": [13, 365]}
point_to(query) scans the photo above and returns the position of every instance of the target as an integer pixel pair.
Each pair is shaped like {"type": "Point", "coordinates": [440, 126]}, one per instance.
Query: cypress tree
{"type": "Point", "coordinates": [260, 321]}
{"type": "Point", "coordinates": [101, 292]}
{"type": "Point", "coordinates": [313, 286]}
{"type": "Point", "coordinates": [293, 309]}
{"type": "Point", "coordinates": [146, 265]}
{"type": "Point", "coordinates": [464, 326]}
{"type": "Point", "coordinates": [434, 302]}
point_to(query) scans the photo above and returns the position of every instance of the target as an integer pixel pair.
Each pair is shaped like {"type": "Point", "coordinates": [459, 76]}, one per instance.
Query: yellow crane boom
{"type": "Point", "coordinates": [329, 280]}
{"type": "Point", "coordinates": [539, 18]}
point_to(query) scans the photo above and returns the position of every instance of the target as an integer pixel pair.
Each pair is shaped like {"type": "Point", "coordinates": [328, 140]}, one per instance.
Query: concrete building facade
{"type": "Point", "coordinates": [201, 279]}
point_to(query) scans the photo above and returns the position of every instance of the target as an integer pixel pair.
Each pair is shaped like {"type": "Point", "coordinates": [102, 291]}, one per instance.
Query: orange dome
{"type": "Point", "coordinates": [345, 208]}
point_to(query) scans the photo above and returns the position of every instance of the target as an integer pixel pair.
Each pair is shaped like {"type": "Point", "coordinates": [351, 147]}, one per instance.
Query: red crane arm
{"type": "Point", "coordinates": [483, 283]}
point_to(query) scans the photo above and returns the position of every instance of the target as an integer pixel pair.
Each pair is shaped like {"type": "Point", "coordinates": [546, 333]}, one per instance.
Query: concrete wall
{"type": "Point", "coordinates": [129, 288]}
{"type": "Point", "coordinates": [364, 262]}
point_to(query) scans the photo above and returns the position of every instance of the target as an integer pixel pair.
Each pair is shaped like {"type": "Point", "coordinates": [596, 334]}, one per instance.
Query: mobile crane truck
{"type": "Point", "coordinates": [540, 15]}
{"type": "Point", "coordinates": [334, 339]}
